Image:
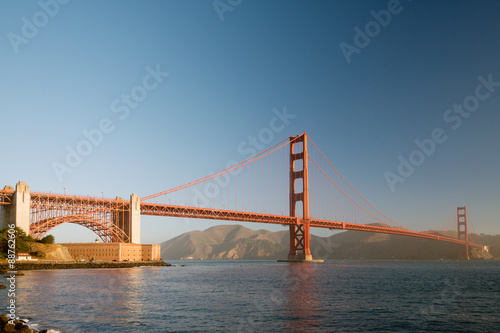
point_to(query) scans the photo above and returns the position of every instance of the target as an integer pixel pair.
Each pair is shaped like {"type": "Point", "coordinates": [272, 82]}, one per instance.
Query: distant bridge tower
{"type": "Point", "coordinates": [299, 233]}
{"type": "Point", "coordinates": [462, 230]}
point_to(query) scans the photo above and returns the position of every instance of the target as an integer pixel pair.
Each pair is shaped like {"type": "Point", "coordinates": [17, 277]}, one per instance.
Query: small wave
{"type": "Point", "coordinates": [34, 326]}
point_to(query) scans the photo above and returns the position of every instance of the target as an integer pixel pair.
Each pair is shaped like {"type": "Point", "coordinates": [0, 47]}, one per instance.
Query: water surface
{"type": "Point", "coordinates": [254, 296]}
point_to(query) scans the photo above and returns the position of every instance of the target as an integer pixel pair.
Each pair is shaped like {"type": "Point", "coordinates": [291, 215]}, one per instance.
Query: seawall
{"type": "Point", "coordinates": [21, 266]}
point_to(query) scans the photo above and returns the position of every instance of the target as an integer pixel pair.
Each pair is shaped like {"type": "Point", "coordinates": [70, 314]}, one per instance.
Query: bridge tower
{"type": "Point", "coordinates": [462, 230]}
{"type": "Point", "coordinates": [299, 233]}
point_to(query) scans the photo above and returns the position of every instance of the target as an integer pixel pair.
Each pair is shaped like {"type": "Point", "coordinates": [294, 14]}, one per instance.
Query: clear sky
{"type": "Point", "coordinates": [176, 86]}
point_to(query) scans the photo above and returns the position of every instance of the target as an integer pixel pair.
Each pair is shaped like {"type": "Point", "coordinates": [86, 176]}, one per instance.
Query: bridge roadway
{"type": "Point", "coordinates": [154, 209]}
{"type": "Point", "coordinates": [227, 215]}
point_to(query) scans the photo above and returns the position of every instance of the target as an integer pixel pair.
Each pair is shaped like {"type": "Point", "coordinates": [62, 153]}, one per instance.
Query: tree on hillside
{"type": "Point", "coordinates": [21, 241]}
{"type": "Point", "coordinates": [49, 239]}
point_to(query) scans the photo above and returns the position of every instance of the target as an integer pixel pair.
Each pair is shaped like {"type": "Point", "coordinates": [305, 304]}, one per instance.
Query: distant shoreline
{"type": "Point", "coordinates": [22, 266]}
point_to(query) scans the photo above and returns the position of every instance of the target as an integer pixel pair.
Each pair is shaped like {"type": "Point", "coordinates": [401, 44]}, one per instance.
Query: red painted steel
{"type": "Point", "coordinates": [55, 211]}
{"type": "Point", "coordinates": [6, 197]}
{"type": "Point", "coordinates": [52, 209]}
{"type": "Point", "coordinates": [462, 230]}
{"type": "Point", "coordinates": [103, 216]}
{"type": "Point", "coordinates": [229, 215]}
{"type": "Point", "coordinates": [299, 233]}
{"type": "Point", "coordinates": [109, 218]}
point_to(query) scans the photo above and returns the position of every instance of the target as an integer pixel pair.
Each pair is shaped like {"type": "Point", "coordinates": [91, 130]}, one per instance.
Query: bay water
{"type": "Point", "coordinates": [266, 296]}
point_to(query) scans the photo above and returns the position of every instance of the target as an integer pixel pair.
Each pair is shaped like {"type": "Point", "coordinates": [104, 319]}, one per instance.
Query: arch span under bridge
{"type": "Point", "coordinates": [292, 184]}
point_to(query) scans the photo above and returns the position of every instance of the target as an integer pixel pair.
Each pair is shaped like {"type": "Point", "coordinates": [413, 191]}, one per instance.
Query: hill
{"type": "Point", "coordinates": [238, 242]}
{"type": "Point", "coordinates": [50, 252]}
{"type": "Point", "coordinates": [227, 242]}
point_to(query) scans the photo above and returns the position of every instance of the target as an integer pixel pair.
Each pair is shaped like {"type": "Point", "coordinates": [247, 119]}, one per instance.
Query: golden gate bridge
{"type": "Point", "coordinates": [291, 183]}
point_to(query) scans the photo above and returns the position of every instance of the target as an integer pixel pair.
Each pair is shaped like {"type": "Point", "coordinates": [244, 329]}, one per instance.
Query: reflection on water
{"type": "Point", "coordinates": [96, 296]}
{"type": "Point", "coordinates": [301, 289]}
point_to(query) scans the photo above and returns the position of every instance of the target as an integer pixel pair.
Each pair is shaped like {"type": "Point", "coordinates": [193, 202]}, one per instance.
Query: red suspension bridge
{"type": "Point", "coordinates": [292, 183]}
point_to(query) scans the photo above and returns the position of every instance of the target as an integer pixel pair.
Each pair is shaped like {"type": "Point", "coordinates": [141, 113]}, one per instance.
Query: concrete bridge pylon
{"type": "Point", "coordinates": [17, 213]}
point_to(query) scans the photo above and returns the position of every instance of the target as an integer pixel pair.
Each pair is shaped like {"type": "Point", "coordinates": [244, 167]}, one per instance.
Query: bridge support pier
{"type": "Point", "coordinates": [135, 219]}
{"type": "Point", "coordinates": [299, 232]}
{"type": "Point", "coordinates": [17, 213]}
{"type": "Point", "coordinates": [299, 243]}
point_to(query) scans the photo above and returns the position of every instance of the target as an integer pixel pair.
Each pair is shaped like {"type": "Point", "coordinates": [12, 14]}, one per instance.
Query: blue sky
{"type": "Point", "coordinates": [225, 77]}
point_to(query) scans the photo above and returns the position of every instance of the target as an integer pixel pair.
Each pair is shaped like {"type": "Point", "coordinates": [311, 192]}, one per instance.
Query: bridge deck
{"type": "Point", "coordinates": [218, 214]}
{"type": "Point", "coordinates": [226, 215]}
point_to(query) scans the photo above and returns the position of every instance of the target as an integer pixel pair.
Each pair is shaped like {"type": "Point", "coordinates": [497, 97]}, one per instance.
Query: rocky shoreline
{"type": "Point", "coordinates": [21, 266]}
{"type": "Point", "coordinates": [19, 326]}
